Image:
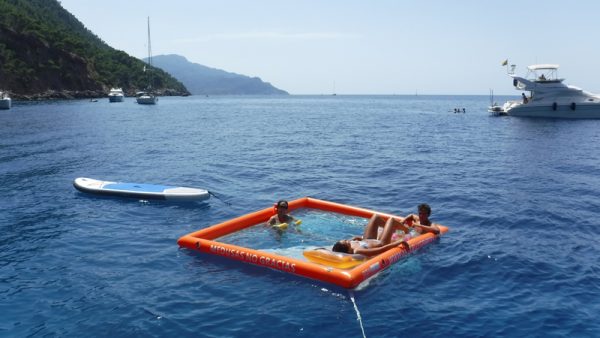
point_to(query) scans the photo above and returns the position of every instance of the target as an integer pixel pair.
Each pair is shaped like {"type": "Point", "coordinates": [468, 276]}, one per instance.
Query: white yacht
{"type": "Point", "coordinates": [5, 101]}
{"type": "Point", "coordinates": [148, 97]}
{"type": "Point", "coordinates": [548, 96]}
{"type": "Point", "coordinates": [116, 95]}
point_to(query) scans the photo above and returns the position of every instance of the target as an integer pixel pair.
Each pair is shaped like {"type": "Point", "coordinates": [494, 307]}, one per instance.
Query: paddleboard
{"type": "Point", "coordinates": [139, 190]}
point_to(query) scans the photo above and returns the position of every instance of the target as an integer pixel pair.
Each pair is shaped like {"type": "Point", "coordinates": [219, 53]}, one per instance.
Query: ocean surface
{"type": "Point", "coordinates": [521, 197]}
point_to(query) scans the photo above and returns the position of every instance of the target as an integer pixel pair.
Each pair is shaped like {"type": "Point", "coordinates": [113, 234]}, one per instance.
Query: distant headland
{"type": "Point", "coordinates": [202, 80]}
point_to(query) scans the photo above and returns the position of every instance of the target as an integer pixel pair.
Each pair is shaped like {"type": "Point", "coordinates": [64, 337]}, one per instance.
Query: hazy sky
{"type": "Point", "coordinates": [361, 47]}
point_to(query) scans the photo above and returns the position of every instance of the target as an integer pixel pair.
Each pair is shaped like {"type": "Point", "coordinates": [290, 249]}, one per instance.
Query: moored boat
{"type": "Point", "coordinates": [549, 96]}
{"type": "Point", "coordinates": [116, 95]}
{"type": "Point", "coordinates": [5, 101]}
{"type": "Point", "coordinates": [147, 97]}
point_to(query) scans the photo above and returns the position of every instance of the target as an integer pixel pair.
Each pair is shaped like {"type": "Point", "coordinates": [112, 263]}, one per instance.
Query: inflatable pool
{"type": "Point", "coordinates": [321, 264]}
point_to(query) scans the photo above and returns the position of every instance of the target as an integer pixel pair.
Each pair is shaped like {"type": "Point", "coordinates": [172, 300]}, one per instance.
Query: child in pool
{"type": "Point", "coordinates": [281, 216]}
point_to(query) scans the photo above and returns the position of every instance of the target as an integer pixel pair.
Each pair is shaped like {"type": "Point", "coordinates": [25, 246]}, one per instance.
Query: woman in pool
{"type": "Point", "coordinates": [372, 242]}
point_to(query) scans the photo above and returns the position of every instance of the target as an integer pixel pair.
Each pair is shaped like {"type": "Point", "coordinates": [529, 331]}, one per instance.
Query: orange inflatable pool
{"type": "Point", "coordinates": [349, 273]}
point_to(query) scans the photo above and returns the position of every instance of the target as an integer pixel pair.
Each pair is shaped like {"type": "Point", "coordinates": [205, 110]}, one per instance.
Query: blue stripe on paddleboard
{"type": "Point", "coordinates": [137, 187]}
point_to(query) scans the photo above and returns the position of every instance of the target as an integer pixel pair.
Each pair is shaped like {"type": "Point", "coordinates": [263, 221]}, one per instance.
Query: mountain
{"type": "Point", "coordinates": [45, 52]}
{"type": "Point", "coordinates": [202, 80]}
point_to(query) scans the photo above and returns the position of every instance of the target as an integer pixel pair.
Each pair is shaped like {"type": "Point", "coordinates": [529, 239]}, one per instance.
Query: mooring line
{"type": "Point", "coordinates": [217, 197]}
{"type": "Point", "coordinates": [357, 313]}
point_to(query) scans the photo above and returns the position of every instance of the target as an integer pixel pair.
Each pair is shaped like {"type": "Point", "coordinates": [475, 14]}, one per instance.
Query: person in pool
{"type": "Point", "coordinates": [373, 242]}
{"type": "Point", "coordinates": [421, 223]}
{"type": "Point", "coordinates": [281, 216]}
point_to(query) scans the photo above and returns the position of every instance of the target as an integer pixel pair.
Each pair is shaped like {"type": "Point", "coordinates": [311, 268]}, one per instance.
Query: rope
{"type": "Point", "coordinates": [219, 198]}
{"type": "Point", "coordinates": [357, 313]}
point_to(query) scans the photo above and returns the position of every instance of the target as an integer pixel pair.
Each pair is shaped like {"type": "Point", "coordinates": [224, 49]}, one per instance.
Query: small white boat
{"type": "Point", "coordinates": [497, 110]}
{"type": "Point", "coordinates": [5, 101]}
{"type": "Point", "coordinates": [146, 98]}
{"type": "Point", "coordinates": [494, 109]}
{"type": "Point", "coordinates": [116, 95]}
{"type": "Point", "coordinates": [549, 96]}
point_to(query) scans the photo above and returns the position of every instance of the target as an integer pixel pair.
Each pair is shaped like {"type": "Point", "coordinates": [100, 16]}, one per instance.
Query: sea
{"type": "Point", "coordinates": [520, 196]}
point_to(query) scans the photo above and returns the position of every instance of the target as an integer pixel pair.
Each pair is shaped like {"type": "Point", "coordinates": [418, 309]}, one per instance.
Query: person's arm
{"type": "Point", "coordinates": [272, 220]}
{"type": "Point", "coordinates": [377, 251]}
{"type": "Point", "coordinates": [433, 228]}
{"type": "Point", "coordinates": [410, 219]}
{"type": "Point", "coordinates": [402, 223]}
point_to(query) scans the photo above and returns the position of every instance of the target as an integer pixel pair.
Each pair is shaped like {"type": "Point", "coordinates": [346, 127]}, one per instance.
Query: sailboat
{"type": "Point", "coordinates": [147, 97]}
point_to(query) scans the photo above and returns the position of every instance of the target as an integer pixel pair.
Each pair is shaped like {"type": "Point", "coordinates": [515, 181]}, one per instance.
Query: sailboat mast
{"type": "Point", "coordinates": [149, 44]}
{"type": "Point", "coordinates": [149, 56]}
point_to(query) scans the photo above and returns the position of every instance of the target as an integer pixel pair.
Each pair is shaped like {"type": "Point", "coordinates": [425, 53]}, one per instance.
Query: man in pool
{"type": "Point", "coordinates": [421, 223]}
{"type": "Point", "coordinates": [281, 216]}
{"type": "Point", "coordinates": [372, 243]}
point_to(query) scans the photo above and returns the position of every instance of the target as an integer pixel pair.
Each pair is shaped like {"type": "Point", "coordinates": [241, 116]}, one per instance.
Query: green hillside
{"type": "Point", "coordinates": [46, 52]}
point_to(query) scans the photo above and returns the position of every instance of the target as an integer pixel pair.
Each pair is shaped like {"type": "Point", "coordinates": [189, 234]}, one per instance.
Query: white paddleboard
{"type": "Point", "coordinates": [140, 190]}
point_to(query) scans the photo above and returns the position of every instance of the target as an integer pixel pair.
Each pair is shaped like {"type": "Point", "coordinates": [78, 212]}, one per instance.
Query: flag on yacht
{"type": "Point", "coordinates": [505, 62]}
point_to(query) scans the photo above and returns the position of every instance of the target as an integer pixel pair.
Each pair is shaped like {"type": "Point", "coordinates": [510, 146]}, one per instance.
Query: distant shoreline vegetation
{"type": "Point", "coordinates": [46, 53]}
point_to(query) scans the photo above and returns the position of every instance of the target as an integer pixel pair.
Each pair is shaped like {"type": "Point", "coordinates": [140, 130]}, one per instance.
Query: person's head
{"type": "Point", "coordinates": [282, 207]}
{"type": "Point", "coordinates": [424, 211]}
{"type": "Point", "coordinates": [342, 246]}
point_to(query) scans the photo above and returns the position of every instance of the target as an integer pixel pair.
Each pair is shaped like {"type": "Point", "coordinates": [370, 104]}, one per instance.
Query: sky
{"type": "Point", "coordinates": [429, 47]}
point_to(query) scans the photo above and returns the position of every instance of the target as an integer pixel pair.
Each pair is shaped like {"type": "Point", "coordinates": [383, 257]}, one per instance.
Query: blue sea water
{"type": "Point", "coordinates": [521, 198]}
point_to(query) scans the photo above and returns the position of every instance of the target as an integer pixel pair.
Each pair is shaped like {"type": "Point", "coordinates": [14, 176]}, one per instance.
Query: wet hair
{"type": "Point", "coordinates": [341, 247]}
{"type": "Point", "coordinates": [425, 207]}
{"type": "Point", "coordinates": [282, 203]}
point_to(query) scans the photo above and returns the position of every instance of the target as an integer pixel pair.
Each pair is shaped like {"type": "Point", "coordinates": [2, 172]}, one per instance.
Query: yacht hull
{"type": "Point", "coordinates": [146, 100]}
{"type": "Point", "coordinates": [116, 98]}
{"type": "Point", "coordinates": [5, 103]}
{"type": "Point", "coordinates": [579, 111]}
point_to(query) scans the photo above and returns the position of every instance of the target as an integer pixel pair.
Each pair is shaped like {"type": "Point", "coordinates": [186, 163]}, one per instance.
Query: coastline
{"type": "Point", "coordinates": [83, 94]}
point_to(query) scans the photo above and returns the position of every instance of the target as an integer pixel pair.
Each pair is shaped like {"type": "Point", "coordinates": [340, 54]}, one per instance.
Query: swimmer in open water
{"type": "Point", "coordinates": [371, 243]}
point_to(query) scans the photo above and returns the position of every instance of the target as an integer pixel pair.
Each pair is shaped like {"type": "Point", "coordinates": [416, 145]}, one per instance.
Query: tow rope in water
{"type": "Point", "coordinates": [217, 197]}
{"type": "Point", "coordinates": [357, 314]}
